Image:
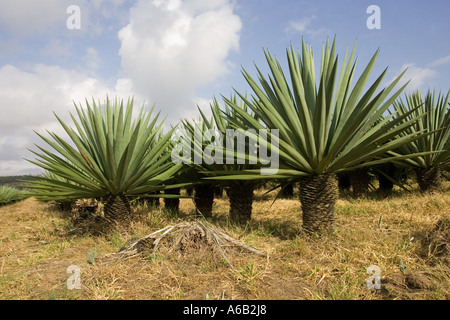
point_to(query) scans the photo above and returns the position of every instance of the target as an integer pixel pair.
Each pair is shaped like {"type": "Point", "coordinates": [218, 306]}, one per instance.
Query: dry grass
{"type": "Point", "coordinates": [394, 234]}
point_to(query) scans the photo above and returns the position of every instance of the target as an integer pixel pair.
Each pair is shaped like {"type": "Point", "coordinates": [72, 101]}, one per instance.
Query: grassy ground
{"type": "Point", "coordinates": [36, 249]}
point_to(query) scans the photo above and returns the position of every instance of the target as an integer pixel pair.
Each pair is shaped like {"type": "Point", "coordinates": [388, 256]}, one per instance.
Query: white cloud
{"type": "Point", "coordinates": [204, 105]}
{"type": "Point", "coordinates": [440, 61]}
{"type": "Point", "coordinates": [304, 26]}
{"type": "Point", "coordinates": [33, 18]}
{"type": "Point", "coordinates": [30, 17]}
{"type": "Point", "coordinates": [418, 76]}
{"type": "Point", "coordinates": [29, 98]}
{"type": "Point", "coordinates": [170, 48]}
{"type": "Point", "coordinates": [300, 25]}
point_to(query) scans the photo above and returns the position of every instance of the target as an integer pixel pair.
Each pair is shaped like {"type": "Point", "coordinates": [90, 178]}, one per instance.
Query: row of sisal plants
{"type": "Point", "coordinates": [10, 195]}
{"type": "Point", "coordinates": [326, 124]}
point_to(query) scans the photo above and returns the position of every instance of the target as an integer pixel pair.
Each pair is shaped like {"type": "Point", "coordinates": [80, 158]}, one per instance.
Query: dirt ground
{"type": "Point", "coordinates": [406, 236]}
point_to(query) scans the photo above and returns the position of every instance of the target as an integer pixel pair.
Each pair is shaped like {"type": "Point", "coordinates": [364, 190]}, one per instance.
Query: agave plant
{"type": "Point", "coordinates": [110, 155]}
{"type": "Point", "coordinates": [201, 193]}
{"type": "Point", "coordinates": [214, 159]}
{"type": "Point", "coordinates": [389, 174]}
{"type": "Point", "coordinates": [435, 118]}
{"type": "Point", "coordinates": [9, 195]}
{"type": "Point", "coordinates": [326, 125]}
{"type": "Point", "coordinates": [240, 192]}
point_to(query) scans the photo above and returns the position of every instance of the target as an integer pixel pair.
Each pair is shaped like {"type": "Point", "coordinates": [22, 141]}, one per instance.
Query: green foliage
{"type": "Point", "coordinates": [109, 154]}
{"type": "Point", "coordinates": [329, 125]}
{"type": "Point", "coordinates": [434, 116]}
{"type": "Point", "coordinates": [91, 256]}
{"type": "Point", "coordinates": [8, 195]}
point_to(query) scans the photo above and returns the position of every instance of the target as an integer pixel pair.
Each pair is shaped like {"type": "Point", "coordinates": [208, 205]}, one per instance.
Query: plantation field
{"type": "Point", "coordinates": [397, 234]}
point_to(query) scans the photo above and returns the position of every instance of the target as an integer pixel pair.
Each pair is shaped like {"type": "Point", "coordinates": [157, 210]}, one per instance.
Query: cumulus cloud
{"type": "Point", "coordinates": [168, 50]}
{"type": "Point", "coordinates": [29, 98]}
{"type": "Point", "coordinates": [172, 47]}
{"type": "Point", "coordinates": [418, 76]}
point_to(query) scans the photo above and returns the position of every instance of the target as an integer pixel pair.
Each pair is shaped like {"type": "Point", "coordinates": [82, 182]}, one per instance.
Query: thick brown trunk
{"type": "Point", "coordinates": [288, 191]}
{"type": "Point", "coordinates": [386, 185]}
{"type": "Point", "coordinates": [429, 179]}
{"type": "Point", "coordinates": [241, 202]}
{"type": "Point", "coordinates": [318, 195]}
{"type": "Point", "coordinates": [360, 181]}
{"type": "Point", "coordinates": [204, 199]}
{"type": "Point", "coordinates": [343, 181]}
{"type": "Point", "coordinates": [117, 209]}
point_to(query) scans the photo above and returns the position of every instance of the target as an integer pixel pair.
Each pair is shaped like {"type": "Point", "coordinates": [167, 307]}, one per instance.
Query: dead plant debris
{"type": "Point", "coordinates": [182, 237]}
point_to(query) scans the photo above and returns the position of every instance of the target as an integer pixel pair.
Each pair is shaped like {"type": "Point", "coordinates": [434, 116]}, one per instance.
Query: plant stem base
{"type": "Point", "coordinates": [241, 202]}
{"type": "Point", "coordinates": [318, 195]}
{"type": "Point", "coordinates": [429, 179]}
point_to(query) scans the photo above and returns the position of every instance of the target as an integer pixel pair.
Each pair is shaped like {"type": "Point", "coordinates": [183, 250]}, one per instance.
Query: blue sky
{"type": "Point", "coordinates": [180, 53]}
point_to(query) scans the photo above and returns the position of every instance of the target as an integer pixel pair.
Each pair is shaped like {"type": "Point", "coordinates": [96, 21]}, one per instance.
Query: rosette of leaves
{"type": "Point", "coordinates": [109, 155]}
{"type": "Point", "coordinates": [326, 124]}
{"type": "Point", "coordinates": [435, 118]}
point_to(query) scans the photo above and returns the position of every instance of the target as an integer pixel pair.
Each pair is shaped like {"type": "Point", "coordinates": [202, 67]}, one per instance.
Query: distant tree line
{"type": "Point", "coordinates": [14, 181]}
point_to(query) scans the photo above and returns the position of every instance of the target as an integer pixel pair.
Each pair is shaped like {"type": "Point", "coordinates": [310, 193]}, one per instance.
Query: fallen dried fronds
{"type": "Point", "coordinates": [185, 236]}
